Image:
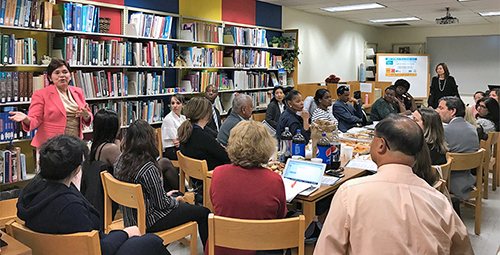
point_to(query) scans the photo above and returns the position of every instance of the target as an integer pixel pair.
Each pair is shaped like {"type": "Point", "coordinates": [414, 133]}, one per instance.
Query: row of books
{"type": "Point", "coordinates": [129, 111]}
{"type": "Point", "coordinates": [203, 57]}
{"type": "Point", "coordinates": [78, 17]}
{"type": "Point", "coordinates": [81, 51]}
{"type": "Point", "coordinates": [19, 86]}
{"type": "Point", "coordinates": [18, 51]}
{"type": "Point", "coordinates": [149, 25]}
{"type": "Point", "coordinates": [251, 80]}
{"type": "Point", "coordinates": [12, 165]}
{"type": "Point", "coordinates": [251, 59]}
{"type": "Point", "coordinates": [245, 36]}
{"type": "Point", "coordinates": [202, 32]}
{"type": "Point", "coordinates": [26, 13]}
{"type": "Point", "coordinates": [199, 81]}
{"type": "Point", "coordinates": [261, 99]}
{"type": "Point", "coordinates": [100, 84]}
{"type": "Point", "coordinates": [11, 130]}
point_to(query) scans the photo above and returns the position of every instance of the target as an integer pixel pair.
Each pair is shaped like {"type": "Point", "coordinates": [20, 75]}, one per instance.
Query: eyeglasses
{"type": "Point", "coordinates": [480, 106]}
{"type": "Point", "coordinates": [386, 143]}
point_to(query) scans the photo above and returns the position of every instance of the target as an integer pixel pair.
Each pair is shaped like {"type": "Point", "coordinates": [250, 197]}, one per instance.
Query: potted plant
{"type": "Point", "coordinates": [286, 41]}
{"type": "Point", "coordinates": [274, 42]}
{"type": "Point", "coordinates": [288, 55]}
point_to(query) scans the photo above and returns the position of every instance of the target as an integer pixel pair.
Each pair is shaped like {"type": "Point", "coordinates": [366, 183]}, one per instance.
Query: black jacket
{"type": "Point", "coordinates": [293, 122]}
{"type": "Point", "coordinates": [53, 208]}
{"type": "Point", "coordinates": [450, 89]}
{"type": "Point", "coordinates": [273, 113]}
{"type": "Point", "coordinates": [201, 145]}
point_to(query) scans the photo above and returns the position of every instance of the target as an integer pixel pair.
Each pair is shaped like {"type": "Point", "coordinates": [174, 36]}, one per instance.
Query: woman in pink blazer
{"type": "Point", "coordinates": [57, 109]}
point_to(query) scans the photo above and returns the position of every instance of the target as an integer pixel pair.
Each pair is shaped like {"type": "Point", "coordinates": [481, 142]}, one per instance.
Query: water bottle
{"type": "Point", "coordinates": [285, 150]}
{"type": "Point", "coordinates": [324, 149]}
{"type": "Point", "coordinates": [335, 150]}
{"type": "Point", "coordinates": [362, 72]}
{"type": "Point", "coordinates": [298, 144]}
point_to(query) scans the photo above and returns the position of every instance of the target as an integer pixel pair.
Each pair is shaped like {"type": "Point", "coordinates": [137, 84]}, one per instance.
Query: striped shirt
{"type": "Point", "coordinates": [320, 114]}
{"type": "Point", "coordinates": [158, 204]}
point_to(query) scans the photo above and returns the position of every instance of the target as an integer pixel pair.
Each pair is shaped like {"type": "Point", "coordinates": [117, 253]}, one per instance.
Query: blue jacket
{"type": "Point", "coordinates": [293, 121]}
{"type": "Point", "coordinates": [347, 115]}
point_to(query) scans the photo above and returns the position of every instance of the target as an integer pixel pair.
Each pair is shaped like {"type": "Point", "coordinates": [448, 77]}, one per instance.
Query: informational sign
{"type": "Point", "coordinates": [412, 67]}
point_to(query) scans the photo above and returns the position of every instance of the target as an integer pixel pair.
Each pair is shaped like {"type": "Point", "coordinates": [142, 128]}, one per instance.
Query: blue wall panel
{"type": "Point", "coordinates": [171, 6]}
{"type": "Point", "coordinates": [267, 15]}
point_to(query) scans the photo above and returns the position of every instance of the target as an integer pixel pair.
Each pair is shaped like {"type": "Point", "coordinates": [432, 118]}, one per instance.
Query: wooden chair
{"type": "Point", "coordinates": [8, 211]}
{"type": "Point", "coordinates": [494, 164]}
{"type": "Point", "coordinates": [442, 183]}
{"type": "Point", "coordinates": [489, 162]}
{"type": "Point", "coordinates": [130, 195]}
{"type": "Point", "coordinates": [255, 234]}
{"type": "Point", "coordinates": [189, 167]}
{"type": "Point", "coordinates": [466, 161]}
{"type": "Point", "coordinates": [160, 143]}
{"type": "Point", "coordinates": [85, 243]}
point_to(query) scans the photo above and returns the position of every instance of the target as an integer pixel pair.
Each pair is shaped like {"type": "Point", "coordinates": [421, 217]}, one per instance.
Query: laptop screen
{"type": "Point", "coordinates": [304, 171]}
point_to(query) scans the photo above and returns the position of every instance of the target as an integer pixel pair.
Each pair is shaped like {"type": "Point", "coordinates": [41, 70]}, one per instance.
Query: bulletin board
{"type": "Point", "coordinates": [412, 67]}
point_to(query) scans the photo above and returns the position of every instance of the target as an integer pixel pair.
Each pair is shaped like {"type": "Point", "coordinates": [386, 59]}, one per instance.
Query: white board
{"type": "Point", "coordinates": [412, 67]}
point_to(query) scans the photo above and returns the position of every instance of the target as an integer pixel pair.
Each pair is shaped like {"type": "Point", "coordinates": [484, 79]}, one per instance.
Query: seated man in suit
{"type": "Point", "coordinates": [393, 211]}
{"type": "Point", "coordinates": [348, 115]}
{"type": "Point", "coordinates": [242, 110]}
{"type": "Point", "coordinates": [213, 126]}
{"type": "Point", "coordinates": [461, 137]}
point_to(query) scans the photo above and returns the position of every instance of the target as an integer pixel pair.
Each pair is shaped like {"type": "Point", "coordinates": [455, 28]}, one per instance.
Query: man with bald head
{"type": "Point", "coordinates": [242, 110]}
{"type": "Point", "coordinates": [393, 211]}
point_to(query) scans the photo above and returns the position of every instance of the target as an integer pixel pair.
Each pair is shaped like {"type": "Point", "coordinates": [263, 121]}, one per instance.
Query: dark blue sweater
{"type": "Point", "coordinates": [293, 121]}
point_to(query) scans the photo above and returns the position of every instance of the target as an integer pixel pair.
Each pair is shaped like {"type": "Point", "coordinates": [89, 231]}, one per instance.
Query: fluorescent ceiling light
{"type": "Point", "coordinates": [394, 20]}
{"type": "Point", "coordinates": [489, 13]}
{"type": "Point", "coordinates": [353, 7]}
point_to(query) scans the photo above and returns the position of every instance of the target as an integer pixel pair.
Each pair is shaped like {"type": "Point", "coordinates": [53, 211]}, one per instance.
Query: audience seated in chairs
{"type": "Point", "coordinates": [137, 164]}
{"type": "Point", "coordinates": [245, 189]}
{"type": "Point", "coordinates": [51, 204]}
{"type": "Point", "coordinates": [404, 216]}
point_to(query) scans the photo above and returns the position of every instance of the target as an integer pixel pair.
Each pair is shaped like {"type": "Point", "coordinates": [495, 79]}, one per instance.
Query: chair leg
{"type": "Point", "coordinates": [477, 224]}
{"type": "Point", "coordinates": [486, 184]}
{"type": "Point", "coordinates": [193, 244]}
{"type": "Point", "coordinates": [495, 179]}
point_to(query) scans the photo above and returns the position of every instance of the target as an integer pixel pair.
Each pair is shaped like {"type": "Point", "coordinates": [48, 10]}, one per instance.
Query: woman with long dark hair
{"type": "Point", "coordinates": [105, 146]}
{"type": "Point", "coordinates": [137, 164]}
{"type": "Point", "coordinates": [442, 85]}
{"type": "Point", "coordinates": [488, 114]}
{"type": "Point", "coordinates": [276, 107]}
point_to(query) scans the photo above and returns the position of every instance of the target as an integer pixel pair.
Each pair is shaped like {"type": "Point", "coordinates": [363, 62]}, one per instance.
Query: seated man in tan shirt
{"type": "Point", "coordinates": [393, 211]}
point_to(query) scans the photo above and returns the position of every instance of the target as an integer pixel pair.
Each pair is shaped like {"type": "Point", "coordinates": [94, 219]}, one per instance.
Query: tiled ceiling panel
{"type": "Point", "coordinates": [427, 10]}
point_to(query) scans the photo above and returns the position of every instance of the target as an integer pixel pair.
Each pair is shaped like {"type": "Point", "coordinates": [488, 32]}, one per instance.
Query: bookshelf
{"type": "Point", "coordinates": [172, 74]}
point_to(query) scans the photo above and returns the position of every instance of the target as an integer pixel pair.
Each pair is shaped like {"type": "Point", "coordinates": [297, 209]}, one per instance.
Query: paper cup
{"type": "Point", "coordinates": [342, 146]}
{"type": "Point", "coordinates": [348, 150]}
{"type": "Point", "coordinates": [317, 160]}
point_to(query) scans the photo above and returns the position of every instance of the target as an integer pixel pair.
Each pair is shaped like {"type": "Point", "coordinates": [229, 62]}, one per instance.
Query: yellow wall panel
{"type": "Point", "coordinates": [207, 9]}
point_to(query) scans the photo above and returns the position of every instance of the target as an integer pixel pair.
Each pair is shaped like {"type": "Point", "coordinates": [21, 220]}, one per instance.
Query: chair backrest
{"type": "Point", "coordinates": [160, 142]}
{"type": "Point", "coordinates": [446, 168]}
{"type": "Point", "coordinates": [8, 211]}
{"type": "Point", "coordinates": [256, 234]}
{"type": "Point", "coordinates": [192, 167]}
{"type": "Point", "coordinates": [126, 194]}
{"type": "Point", "coordinates": [466, 161]}
{"type": "Point", "coordinates": [44, 244]}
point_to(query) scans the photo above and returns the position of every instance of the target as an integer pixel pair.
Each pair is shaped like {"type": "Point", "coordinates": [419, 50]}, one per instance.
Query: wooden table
{"type": "Point", "coordinates": [309, 202]}
{"type": "Point", "coordinates": [14, 247]}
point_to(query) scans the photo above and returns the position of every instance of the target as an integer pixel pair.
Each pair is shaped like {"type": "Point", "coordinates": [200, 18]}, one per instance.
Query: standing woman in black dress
{"type": "Point", "coordinates": [442, 85]}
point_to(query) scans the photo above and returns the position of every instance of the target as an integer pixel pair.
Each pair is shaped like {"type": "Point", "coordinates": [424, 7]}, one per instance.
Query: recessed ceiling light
{"type": "Point", "coordinates": [353, 7]}
{"type": "Point", "coordinates": [489, 13]}
{"type": "Point", "coordinates": [394, 20]}
{"type": "Point", "coordinates": [465, 0]}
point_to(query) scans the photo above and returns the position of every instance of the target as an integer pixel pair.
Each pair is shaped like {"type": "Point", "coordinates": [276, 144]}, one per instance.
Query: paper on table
{"type": "Point", "coordinates": [365, 87]}
{"type": "Point", "coordinates": [329, 180]}
{"type": "Point", "coordinates": [292, 192]}
{"type": "Point", "coordinates": [366, 164]}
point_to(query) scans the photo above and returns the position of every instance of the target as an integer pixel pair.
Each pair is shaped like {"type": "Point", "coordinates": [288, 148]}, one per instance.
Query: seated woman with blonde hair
{"type": "Point", "coordinates": [245, 189]}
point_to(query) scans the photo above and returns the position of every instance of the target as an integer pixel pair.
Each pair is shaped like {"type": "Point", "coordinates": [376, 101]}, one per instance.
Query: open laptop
{"type": "Point", "coordinates": [306, 174]}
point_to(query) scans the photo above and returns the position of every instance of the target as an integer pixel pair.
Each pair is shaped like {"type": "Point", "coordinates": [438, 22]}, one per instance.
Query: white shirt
{"type": "Point", "coordinates": [169, 127]}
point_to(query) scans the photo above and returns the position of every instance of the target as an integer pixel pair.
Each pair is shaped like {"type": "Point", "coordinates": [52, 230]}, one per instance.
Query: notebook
{"type": "Point", "coordinates": [302, 177]}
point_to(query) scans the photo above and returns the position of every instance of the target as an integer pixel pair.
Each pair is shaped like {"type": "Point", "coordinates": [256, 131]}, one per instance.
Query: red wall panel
{"type": "Point", "coordinates": [239, 11]}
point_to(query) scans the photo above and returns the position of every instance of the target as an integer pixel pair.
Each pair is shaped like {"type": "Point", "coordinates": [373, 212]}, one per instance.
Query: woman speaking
{"type": "Point", "coordinates": [57, 109]}
{"type": "Point", "coordinates": [442, 85]}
